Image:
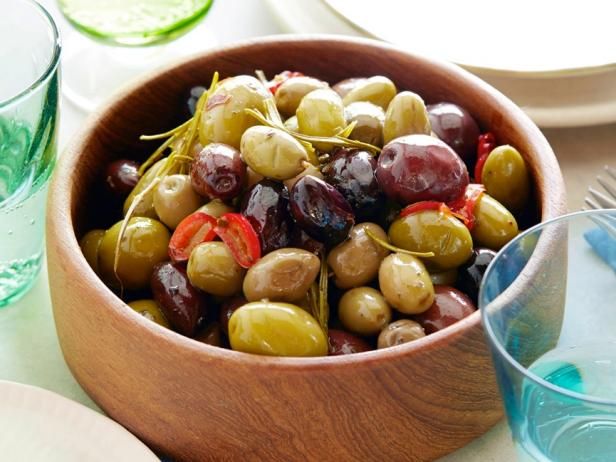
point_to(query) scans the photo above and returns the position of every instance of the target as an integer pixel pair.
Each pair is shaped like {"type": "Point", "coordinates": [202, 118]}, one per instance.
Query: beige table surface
{"type": "Point", "coordinates": [29, 349]}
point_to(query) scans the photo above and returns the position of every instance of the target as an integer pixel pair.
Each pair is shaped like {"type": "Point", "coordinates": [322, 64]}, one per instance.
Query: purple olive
{"type": "Point", "coordinates": [121, 176]}
{"type": "Point", "coordinates": [344, 343]}
{"type": "Point", "coordinates": [227, 309]}
{"type": "Point", "coordinates": [456, 127]}
{"type": "Point", "coordinates": [301, 240]}
{"type": "Point", "coordinates": [218, 172]}
{"type": "Point", "coordinates": [471, 273]}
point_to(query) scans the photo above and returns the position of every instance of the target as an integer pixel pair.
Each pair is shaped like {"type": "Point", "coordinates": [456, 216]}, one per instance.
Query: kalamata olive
{"type": "Point", "coordinates": [265, 205]}
{"type": "Point", "coordinates": [301, 240]}
{"type": "Point", "coordinates": [143, 246]}
{"type": "Point", "coordinates": [419, 167]}
{"type": "Point", "coordinates": [276, 329]}
{"type": "Point", "coordinates": [216, 208]}
{"type": "Point", "coordinates": [151, 310]}
{"type": "Point", "coordinates": [309, 170]}
{"type": "Point", "coordinates": [364, 311]}
{"type": "Point", "coordinates": [506, 178]}
{"type": "Point", "coordinates": [355, 262]}
{"type": "Point", "coordinates": [145, 207]}
{"type": "Point", "coordinates": [224, 119]}
{"type": "Point", "coordinates": [193, 98]}
{"type": "Point", "coordinates": [175, 199]}
{"type": "Point", "coordinates": [369, 119]}
{"type": "Point", "coordinates": [377, 90]}
{"type": "Point", "coordinates": [212, 268]}
{"type": "Point", "coordinates": [321, 210]}
{"type": "Point", "coordinates": [218, 172]}
{"type": "Point", "coordinates": [444, 278]}
{"type": "Point", "coordinates": [471, 273]}
{"type": "Point", "coordinates": [121, 176]}
{"type": "Point", "coordinates": [284, 275]}
{"type": "Point", "coordinates": [405, 115]}
{"type": "Point", "coordinates": [291, 91]}
{"type": "Point", "coordinates": [405, 283]}
{"type": "Point", "coordinates": [227, 309]}
{"type": "Point", "coordinates": [456, 127]}
{"type": "Point", "coordinates": [182, 304]}
{"type": "Point", "coordinates": [494, 224]}
{"type": "Point", "coordinates": [344, 343]}
{"type": "Point", "coordinates": [212, 335]}
{"type": "Point", "coordinates": [399, 332]}
{"type": "Point", "coordinates": [321, 113]}
{"type": "Point", "coordinates": [433, 231]}
{"type": "Point", "coordinates": [450, 305]}
{"type": "Point", "coordinates": [90, 243]}
{"type": "Point", "coordinates": [352, 172]}
{"type": "Point", "coordinates": [345, 86]}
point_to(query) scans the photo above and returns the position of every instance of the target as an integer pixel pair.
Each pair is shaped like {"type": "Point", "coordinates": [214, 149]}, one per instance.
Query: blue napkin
{"type": "Point", "coordinates": [603, 244]}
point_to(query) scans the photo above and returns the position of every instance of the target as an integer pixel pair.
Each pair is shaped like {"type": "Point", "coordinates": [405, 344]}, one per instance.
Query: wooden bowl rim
{"type": "Point", "coordinates": [63, 227]}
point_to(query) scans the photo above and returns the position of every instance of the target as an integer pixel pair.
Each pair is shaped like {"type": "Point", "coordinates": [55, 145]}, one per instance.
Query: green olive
{"type": "Point", "coordinates": [283, 275]}
{"type": "Point", "coordinates": [345, 86]}
{"type": "Point", "coordinates": [505, 176]}
{"type": "Point", "coordinates": [406, 115]}
{"type": "Point", "coordinates": [369, 119]}
{"type": "Point", "coordinates": [212, 268]}
{"type": "Point", "coordinates": [377, 90]}
{"type": "Point", "coordinates": [291, 124]}
{"type": "Point", "coordinates": [399, 332]}
{"type": "Point", "coordinates": [364, 311]}
{"type": "Point", "coordinates": [405, 283]}
{"type": "Point", "coordinates": [175, 199]}
{"type": "Point", "coordinates": [309, 169]}
{"type": "Point", "coordinates": [321, 113]}
{"type": "Point", "coordinates": [433, 231]}
{"type": "Point", "coordinates": [355, 262]}
{"type": "Point", "coordinates": [145, 208]}
{"type": "Point", "coordinates": [149, 309]}
{"type": "Point", "coordinates": [494, 224]}
{"type": "Point", "coordinates": [444, 278]}
{"type": "Point", "coordinates": [291, 91]}
{"type": "Point", "coordinates": [216, 208]}
{"type": "Point", "coordinates": [143, 246]}
{"type": "Point", "coordinates": [276, 329]}
{"type": "Point", "coordinates": [272, 152]}
{"type": "Point", "coordinates": [224, 119]}
{"type": "Point", "coordinates": [90, 244]}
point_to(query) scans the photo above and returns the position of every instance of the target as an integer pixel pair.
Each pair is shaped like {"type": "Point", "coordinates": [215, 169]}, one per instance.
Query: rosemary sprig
{"type": "Point", "coordinates": [393, 248]}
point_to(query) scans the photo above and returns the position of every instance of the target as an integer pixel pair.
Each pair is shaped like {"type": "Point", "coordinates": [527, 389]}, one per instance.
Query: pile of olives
{"type": "Point", "coordinates": [303, 219]}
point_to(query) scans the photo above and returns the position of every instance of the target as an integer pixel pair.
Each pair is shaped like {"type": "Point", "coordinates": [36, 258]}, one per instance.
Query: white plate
{"type": "Point", "coordinates": [37, 425]}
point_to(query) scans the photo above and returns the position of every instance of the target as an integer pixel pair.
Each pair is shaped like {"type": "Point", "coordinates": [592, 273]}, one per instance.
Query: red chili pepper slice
{"type": "Point", "coordinates": [464, 206]}
{"type": "Point", "coordinates": [424, 205]}
{"type": "Point", "coordinates": [236, 231]}
{"type": "Point", "coordinates": [279, 79]}
{"type": "Point", "coordinates": [196, 228]}
{"type": "Point", "coordinates": [486, 143]}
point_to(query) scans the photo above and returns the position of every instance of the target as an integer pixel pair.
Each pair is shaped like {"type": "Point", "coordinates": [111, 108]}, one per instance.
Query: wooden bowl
{"type": "Point", "coordinates": [414, 402]}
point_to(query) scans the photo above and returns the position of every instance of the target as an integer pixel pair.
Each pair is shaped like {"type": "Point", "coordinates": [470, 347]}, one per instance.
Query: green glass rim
{"type": "Point", "coordinates": [53, 62]}
{"type": "Point", "coordinates": [500, 348]}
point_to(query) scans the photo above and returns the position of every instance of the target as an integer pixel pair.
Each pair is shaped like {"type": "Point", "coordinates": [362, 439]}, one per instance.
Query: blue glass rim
{"type": "Point", "coordinates": [53, 62]}
{"type": "Point", "coordinates": [489, 332]}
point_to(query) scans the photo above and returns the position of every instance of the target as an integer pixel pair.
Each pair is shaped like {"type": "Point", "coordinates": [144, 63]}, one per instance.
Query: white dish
{"type": "Point", "coordinates": [37, 425]}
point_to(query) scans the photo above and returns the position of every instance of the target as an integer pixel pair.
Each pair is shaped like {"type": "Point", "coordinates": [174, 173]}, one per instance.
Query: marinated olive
{"type": "Point", "coordinates": [291, 124]}
{"type": "Point", "coordinates": [506, 177]}
{"type": "Point", "coordinates": [224, 119]}
{"type": "Point", "coordinates": [377, 90]}
{"type": "Point", "coordinates": [433, 231]}
{"type": "Point", "coordinates": [419, 167]}
{"type": "Point", "coordinates": [252, 177]}
{"type": "Point", "coordinates": [216, 208]}
{"type": "Point", "coordinates": [273, 153]}
{"type": "Point", "coordinates": [182, 304]}
{"type": "Point", "coordinates": [144, 245]}
{"type": "Point", "coordinates": [276, 329]}
{"type": "Point", "coordinates": [471, 273]}
{"type": "Point", "coordinates": [121, 177]}
{"type": "Point", "coordinates": [356, 261]}
{"type": "Point", "coordinates": [227, 309]}
{"type": "Point", "coordinates": [456, 127]}
{"type": "Point", "coordinates": [321, 210]}
{"type": "Point", "coordinates": [301, 240]}
{"type": "Point", "coordinates": [291, 92]}
{"type": "Point", "coordinates": [399, 332]}
{"type": "Point", "coordinates": [175, 199]}
{"type": "Point", "coordinates": [193, 98]}
{"type": "Point", "coordinates": [364, 311]}
{"type": "Point", "coordinates": [344, 343]}
{"type": "Point", "coordinates": [368, 119]}
{"type": "Point", "coordinates": [151, 310]}
{"type": "Point", "coordinates": [405, 283]}
{"type": "Point", "coordinates": [218, 172]}
{"type": "Point", "coordinates": [283, 275]}
{"type": "Point", "coordinates": [145, 207]}
{"type": "Point", "coordinates": [321, 113]}
{"type": "Point", "coordinates": [444, 278]}
{"type": "Point", "coordinates": [265, 205]}
{"type": "Point", "coordinates": [450, 305]}
{"type": "Point", "coordinates": [90, 244]}
{"type": "Point", "coordinates": [406, 115]}
{"type": "Point", "coordinates": [212, 268]}
{"type": "Point", "coordinates": [352, 172]}
{"type": "Point", "coordinates": [212, 335]}
{"type": "Point", "coordinates": [345, 86]}
{"type": "Point", "coordinates": [494, 224]}
{"type": "Point", "coordinates": [310, 169]}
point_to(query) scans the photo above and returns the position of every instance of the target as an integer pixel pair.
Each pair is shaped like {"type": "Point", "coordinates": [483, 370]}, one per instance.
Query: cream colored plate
{"type": "Point", "coordinates": [37, 425]}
